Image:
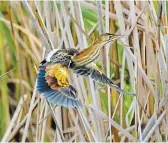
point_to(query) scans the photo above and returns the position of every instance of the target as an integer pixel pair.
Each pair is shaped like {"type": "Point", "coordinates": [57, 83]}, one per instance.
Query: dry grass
{"type": "Point", "coordinates": [137, 62]}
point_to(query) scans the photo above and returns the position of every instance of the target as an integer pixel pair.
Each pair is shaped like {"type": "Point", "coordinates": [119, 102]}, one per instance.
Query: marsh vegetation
{"type": "Point", "coordinates": [138, 62]}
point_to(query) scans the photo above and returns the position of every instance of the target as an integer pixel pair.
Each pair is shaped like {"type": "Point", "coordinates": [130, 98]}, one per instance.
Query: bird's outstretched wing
{"type": "Point", "coordinates": [98, 76]}
{"type": "Point", "coordinates": [52, 83]}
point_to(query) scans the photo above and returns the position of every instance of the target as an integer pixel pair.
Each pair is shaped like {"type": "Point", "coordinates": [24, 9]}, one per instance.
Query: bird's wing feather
{"type": "Point", "coordinates": [48, 86]}
{"type": "Point", "coordinates": [97, 75]}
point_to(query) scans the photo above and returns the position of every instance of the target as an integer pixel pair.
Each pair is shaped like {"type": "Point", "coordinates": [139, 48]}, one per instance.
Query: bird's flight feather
{"type": "Point", "coordinates": [49, 87]}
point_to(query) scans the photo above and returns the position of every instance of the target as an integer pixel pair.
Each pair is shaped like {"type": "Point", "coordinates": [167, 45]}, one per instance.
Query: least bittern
{"type": "Point", "coordinates": [52, 79]}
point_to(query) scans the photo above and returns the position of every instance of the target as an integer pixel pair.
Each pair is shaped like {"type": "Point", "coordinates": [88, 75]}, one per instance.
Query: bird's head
{"type": "Point", "coordinates": [107, 37]}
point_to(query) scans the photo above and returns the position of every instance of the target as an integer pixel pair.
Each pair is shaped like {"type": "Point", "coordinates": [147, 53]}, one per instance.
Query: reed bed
{"type": "Point", "coordinates": [138, 63]}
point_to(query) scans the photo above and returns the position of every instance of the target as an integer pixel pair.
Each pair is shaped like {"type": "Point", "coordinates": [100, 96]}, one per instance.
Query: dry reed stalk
{"type": "Point", "coordinates": [139, 61]}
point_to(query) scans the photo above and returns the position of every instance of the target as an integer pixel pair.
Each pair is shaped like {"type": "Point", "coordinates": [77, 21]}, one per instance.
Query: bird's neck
{"type": "Point", "coordinates": [89, 54]}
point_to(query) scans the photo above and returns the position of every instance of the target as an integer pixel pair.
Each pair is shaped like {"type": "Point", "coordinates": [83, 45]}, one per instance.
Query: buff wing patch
{"type": "Point", "coordinates": [52, 83]}
{"type": "Point", "coordinates": [57, 76]}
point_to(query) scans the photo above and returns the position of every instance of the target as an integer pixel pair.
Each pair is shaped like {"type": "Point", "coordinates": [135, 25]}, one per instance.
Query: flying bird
{"type": "Point", "coordinates": [52, 78]}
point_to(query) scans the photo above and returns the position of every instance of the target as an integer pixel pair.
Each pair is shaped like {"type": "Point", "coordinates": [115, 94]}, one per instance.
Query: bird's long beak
{"type": "Point", "coordinates": [114, 37]}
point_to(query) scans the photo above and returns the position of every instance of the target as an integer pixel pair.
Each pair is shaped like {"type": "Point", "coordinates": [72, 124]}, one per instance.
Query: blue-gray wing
{"type": "Point", "coordinates": [98, 76]}
{"type": "Point", "coordinates": [59, 96]}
